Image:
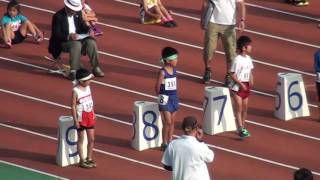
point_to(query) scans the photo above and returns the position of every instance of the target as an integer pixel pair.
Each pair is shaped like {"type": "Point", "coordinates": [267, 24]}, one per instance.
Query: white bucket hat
{"type": "Point", "coordinates": [74, 5]}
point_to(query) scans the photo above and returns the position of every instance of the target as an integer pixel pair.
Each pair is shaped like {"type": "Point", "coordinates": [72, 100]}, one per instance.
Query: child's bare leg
{"type": "Point", "coordinates": [80, 144]}
{"type": "Point", "coordinates": [166, 126]}
{"type": "Point", "coordinates": [173, 119]}
{"type": "Point", "coordinates": [32, 28]}
{"type": "Point", "coordinates": [238, 105]}
{"type": "Point", "coordinates": [244, 110]}
{"type": "Point", "coordinates": [8, 34]}
{"type": "Point", "coordinates": [90, 135]}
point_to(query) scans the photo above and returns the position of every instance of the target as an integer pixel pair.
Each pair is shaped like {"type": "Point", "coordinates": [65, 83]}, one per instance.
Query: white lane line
{"type": "Point", "coordinates": [95, 149]}
{"type": "Point", "coordinates": [248, 30]}
{"type": "Point", "coordinates": [30, 169]}
{"type": "Point", "coordinates": [182, 104]}
{"type": "Point", "coordinates": [176, 42]}
{"type": "Point", "coordinates": [118, 120]}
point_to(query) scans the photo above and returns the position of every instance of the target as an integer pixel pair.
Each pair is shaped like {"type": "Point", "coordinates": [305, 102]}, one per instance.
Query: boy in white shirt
{"type": "Point", "coordinates": [241, 74]}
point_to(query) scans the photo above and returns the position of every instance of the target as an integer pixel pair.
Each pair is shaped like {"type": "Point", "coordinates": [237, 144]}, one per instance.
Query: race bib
{"type": "Point", "coordinates": [86, 103]}
{"type": "Point", "coordinates": [170, 84]}
{"type": "Point", "coordinates": [163, 99]}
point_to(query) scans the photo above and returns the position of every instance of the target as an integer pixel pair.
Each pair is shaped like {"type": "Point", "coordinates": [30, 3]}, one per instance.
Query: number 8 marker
{"type": "Point", "coordinates": [152, 125]}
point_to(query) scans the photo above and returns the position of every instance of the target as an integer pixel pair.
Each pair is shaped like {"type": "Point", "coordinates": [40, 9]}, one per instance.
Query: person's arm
{"type": "Point", "coordinates": [203, 11]}
{"type": "Point", "coordinates": [158, 82]}
{"type": "Point", "coordinates": [146, 10]}
{"type": "Point", "coordinates": [242, 10]}
{"type": "Point", "coordinates": [207, 153]}
{"type": "Point", "coordinates": [56, 27]}
{"type": "Point", "coordinates": [73, 109]}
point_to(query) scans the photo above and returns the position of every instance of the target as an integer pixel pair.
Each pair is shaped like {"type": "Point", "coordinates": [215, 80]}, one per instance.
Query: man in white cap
{"type": "Point", "coordinates": [187, 156]}
{"type": "Point", "coordinates": [71, 34]}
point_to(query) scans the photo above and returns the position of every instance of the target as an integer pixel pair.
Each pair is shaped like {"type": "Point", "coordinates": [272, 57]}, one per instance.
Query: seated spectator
{"type": "Point", "coordinates": [15, 26]}
{"type": "Point", "coordinates": [153, 12]}
{"type": "Point", "coordinates": [90, 17]}
{"type": "Point", "coordinates": [70, 33]}
{"type": "Point", "coordinates": [298, 2]}
{"type": "Point", "coordinates": [302, 174]}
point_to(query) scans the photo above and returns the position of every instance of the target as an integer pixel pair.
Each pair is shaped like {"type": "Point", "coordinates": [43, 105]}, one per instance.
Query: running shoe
{"type": "Point", "coordinates": [228, 82]}
{"type": "Point", "coordinates": [92, 162]}
{"type": "Point", "coordinates": [164, 146]}
{"type": "Point", "coordinates": [207, 76]}
{"type": "Point", "coordinates": [244, 133]}
{"type": "Point", "coordinates": [85, 164]}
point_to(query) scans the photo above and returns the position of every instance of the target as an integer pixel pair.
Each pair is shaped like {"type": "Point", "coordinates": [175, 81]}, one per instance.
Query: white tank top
{"type": "Point", "coordinates": [84, 100]}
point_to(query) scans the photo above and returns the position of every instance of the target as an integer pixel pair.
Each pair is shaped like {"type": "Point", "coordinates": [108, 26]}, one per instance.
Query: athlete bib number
{"type": "Point", "coordinates": [163, 99]}
{"type": "Point", "coordinates": [170, 84]}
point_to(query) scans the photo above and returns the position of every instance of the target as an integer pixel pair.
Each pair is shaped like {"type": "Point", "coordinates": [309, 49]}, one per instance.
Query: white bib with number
{"type": "Point", "coordinates": [170, 84]}
{"type": "Point", "coordinates": [163, 99]}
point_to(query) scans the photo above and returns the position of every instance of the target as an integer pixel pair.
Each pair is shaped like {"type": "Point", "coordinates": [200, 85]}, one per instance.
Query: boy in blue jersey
{"type": "Point", "coordinates": [15, 26]}
{"type": "Point", "coordinates": [166, 90]}
{"type": "Point", "coordinates": [317, 71]}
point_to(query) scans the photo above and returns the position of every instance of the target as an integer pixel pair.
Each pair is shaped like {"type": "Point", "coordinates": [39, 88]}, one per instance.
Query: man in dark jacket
{"type": "Point", "coordinates": [71, 34]}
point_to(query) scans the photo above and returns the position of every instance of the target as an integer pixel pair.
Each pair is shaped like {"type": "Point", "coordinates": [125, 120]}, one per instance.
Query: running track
{"type": "Point", "coordinates": [285, 39]}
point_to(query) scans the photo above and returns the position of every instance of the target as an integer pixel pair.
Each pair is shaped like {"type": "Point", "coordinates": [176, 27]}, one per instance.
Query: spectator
{"type": "Point", "coordinates": [15, 26]}
{"type": "Point", "coordinates": [90, 18]}
{"type": "Point", "coordinates": [241, 74]}
{"type": "Point", "coordinates": [187, 156]}
{"type": "Point", "coordinates": [303, 174]}
{"type": "Point", "coordinates": [153, 12]}
{"type": "Point", "coordinates": [222, 25]}
{"type": "Point", "coordinates": [166, 90]}
{"type": "Point", "coordinates": [70, 33]}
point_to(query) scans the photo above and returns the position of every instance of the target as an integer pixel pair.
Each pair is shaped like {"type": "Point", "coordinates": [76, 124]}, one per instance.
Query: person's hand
{"type": "Point", "coordinates": [243, 87]}
{"type": "Point", "coordinates": [241, 26]}
{"type": "Point", "coordinates": [91, 33]}
{"type": "Point", "coordinates": [199, 134]}
{"type": "Point", "coordinates": [73, 36]}
{"type": "Point", "coordinates": [77, 124]}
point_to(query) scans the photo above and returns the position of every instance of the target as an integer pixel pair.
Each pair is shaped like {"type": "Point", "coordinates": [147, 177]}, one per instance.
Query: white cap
{"type": "Point", "coordinates": [74, 5]}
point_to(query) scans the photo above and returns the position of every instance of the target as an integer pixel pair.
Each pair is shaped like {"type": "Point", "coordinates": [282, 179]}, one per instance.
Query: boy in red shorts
{"type": "Point", "coordinates": [241, 74]}
{"type": "Point", "coordinates": [83, 115]}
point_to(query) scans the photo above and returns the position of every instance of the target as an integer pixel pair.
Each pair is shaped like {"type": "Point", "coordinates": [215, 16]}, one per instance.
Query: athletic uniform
{"type": "Point", "coordinates": [317, 71]}
{"type": "Point", "coordinates": [145, 20]}
{"type": "Point", "coordinates": [168, 99]}
{"type": "Point", "coordinates": [84, 108]}
{"type": "Point", "coordinates": [15, 23]}
{"type": "Point", "coordinates": [242, 67]}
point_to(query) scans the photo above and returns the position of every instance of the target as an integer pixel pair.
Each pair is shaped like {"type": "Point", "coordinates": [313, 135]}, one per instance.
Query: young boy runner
{"type": "Point", "coordinates": [83, 115]}
{"type": "Point", "coordinates": [166, 90]}
{"type": "Point", "coordinates": [241, 74]}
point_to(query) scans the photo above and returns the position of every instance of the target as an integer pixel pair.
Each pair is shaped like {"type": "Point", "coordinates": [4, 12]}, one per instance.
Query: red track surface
{"type": "Point", "coordinates": [38, 152]}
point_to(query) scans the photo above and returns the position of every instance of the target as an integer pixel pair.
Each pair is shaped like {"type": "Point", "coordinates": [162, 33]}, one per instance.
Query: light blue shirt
{"type": "Point", "coordinates": [14, 22]}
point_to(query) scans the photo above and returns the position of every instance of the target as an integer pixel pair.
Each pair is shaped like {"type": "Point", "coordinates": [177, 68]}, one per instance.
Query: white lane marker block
{"type": "Point", "coordinates": [147, 126]}
{"type": "Point", "coordinates": [67, 153]}
{"type": "Point", "coordinates": [291, 101]}
{"type": "Point", "coordinates": [218, 112]}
